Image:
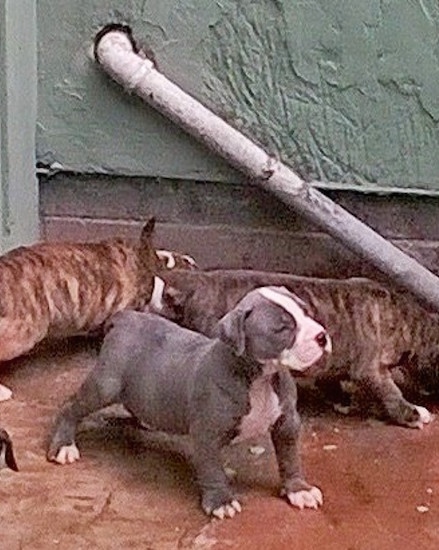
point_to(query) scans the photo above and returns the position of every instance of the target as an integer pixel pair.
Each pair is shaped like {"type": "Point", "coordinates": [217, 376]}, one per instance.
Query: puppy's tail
{"type": "Point", "coordinates": [146, 251]}
{"type": "Point", "coordinates": [7, 457]}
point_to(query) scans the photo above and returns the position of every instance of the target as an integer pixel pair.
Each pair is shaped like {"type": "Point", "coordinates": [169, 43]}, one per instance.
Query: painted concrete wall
{"type": "Point", "coordinates": [19, 223]}
{"type": "Point", "coordinates": [344, 91]}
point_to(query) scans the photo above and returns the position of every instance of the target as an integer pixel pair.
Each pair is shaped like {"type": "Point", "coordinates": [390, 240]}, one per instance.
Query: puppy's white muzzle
{"type": "Point", "coordinates": [312, 342]}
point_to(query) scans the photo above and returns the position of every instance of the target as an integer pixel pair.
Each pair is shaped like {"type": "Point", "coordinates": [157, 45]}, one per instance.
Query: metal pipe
{"type": "Point", "coordinates": [116, 51]}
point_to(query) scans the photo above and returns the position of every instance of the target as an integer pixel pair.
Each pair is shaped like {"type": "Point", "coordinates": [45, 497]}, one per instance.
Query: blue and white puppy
{"type": "Point", "coordinates": [219, 391]}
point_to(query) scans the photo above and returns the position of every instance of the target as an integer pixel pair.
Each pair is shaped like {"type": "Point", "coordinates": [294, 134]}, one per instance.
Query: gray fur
{"type": "Point", "coordinates": [182, 382]}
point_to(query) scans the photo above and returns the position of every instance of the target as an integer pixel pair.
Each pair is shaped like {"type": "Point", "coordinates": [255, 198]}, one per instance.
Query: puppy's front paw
{"type": "Point", "coordinates": [412, 416]}
{"type": "Point", "coordinates": [425, 417]}
{"type": "Point", "coordinates": [64, 455]}
{"type": "Point", "coordinates": [227, 510]}
{"type": "Point", "coordinates": [305, 498]}
{"type": "Point", "coordinates": [220, 504]}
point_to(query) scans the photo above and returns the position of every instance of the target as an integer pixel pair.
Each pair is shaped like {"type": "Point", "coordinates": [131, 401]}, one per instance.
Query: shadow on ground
{"type": "Point", "coordinates": [380, 482]}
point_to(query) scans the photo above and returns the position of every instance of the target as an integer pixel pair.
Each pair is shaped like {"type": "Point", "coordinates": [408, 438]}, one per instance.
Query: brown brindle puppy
{"type": "Point", "coordinates": [65, 289]}
{"type": "Point", "coordinates": [373, 329]}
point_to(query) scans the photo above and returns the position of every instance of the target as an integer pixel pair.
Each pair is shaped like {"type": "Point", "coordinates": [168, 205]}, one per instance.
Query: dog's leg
{"type": "Point", "coordinates": [99, 390]}
{"type": "Point", "coordinates": [209, 433]}
{"type": "Point", "coordinates": [217, 497]}
{"type": "Point", "coordinates": [286, 440]}
{"type": "Point", "coordinates": [380, 389]}
{"type": "Point", "coordinates": [18, 337]}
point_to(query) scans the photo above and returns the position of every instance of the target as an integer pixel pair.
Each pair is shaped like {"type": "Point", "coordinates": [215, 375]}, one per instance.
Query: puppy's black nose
{"type": "Point", "coordinates": [321, 339]}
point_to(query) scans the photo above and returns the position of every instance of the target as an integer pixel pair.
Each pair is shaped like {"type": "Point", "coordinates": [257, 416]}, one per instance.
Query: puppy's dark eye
{"type": "Point", "coordinates": [281, 328]}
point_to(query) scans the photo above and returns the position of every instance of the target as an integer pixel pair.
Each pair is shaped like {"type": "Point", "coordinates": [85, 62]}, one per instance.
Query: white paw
{"type": "Point", "coordinates": [5, 393]}
{"type": "Point", "coordinates": [338, 407]}
{"type": "Point", "coordinates": [228, 510]}
{"type": "Point", "coordinates": [425, 417]}
{"type": "Point", "coordinates": [312, 498]}
{"type": "Point", "coordinates": [68, 454]}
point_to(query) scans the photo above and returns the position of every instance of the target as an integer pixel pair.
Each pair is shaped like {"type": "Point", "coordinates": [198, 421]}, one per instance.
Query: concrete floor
{"type": "Point", "coordinates": [380, 482]}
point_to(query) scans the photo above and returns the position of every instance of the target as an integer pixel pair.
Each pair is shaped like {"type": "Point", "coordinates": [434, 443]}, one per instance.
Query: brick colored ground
{"type": "Point", "coordinates": [125, 496]}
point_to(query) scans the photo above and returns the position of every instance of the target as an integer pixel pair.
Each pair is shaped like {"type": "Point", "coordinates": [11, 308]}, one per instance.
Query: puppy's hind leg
{"type": "Point", "coordinates": [99, 390]}
{"type": "Point", "coordinates": [16, 338]}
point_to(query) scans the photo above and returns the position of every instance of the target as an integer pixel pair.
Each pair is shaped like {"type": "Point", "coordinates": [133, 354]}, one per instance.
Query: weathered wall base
{"type": "Point", "coordinates": [225, 225]}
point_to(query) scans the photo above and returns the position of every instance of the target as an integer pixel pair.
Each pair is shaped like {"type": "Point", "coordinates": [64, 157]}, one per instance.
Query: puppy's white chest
{"type": "Point", "coordinates": [265, 409]}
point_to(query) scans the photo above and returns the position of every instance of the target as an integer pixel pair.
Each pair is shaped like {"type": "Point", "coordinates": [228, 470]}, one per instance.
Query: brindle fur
{"type": "Point", "coordinates": [373, 328]}
{"type": "Point", "coordinates": [64, 289]}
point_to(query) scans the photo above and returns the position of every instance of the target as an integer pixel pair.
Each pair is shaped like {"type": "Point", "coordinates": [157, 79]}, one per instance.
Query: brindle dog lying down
{"type": "Point", "coordinates": [373, 329]}
{"type": "Point", "coordinates": [65, 289]}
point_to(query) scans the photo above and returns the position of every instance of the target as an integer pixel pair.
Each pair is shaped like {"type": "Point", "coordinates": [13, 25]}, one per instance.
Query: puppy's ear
{"type": "Point", "coordinates": [147, 231]}
{"type": "Point", "coordinates": [231, 329]}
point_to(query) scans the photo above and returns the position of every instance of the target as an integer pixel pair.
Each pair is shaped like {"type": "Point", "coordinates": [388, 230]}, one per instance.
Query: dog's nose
{"type": "Point", "coordinates": [322, 339]}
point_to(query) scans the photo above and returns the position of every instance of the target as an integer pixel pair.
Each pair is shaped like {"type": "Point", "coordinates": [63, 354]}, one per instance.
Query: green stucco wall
{"type": "Point", "coordinates": [344, 91]}
{"type": "Point", "coordinates": [19, 223]}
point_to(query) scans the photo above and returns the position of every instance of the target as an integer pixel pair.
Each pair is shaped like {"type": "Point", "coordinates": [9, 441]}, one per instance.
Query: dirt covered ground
{"type": "Point", "coordinates": [380, 482]}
